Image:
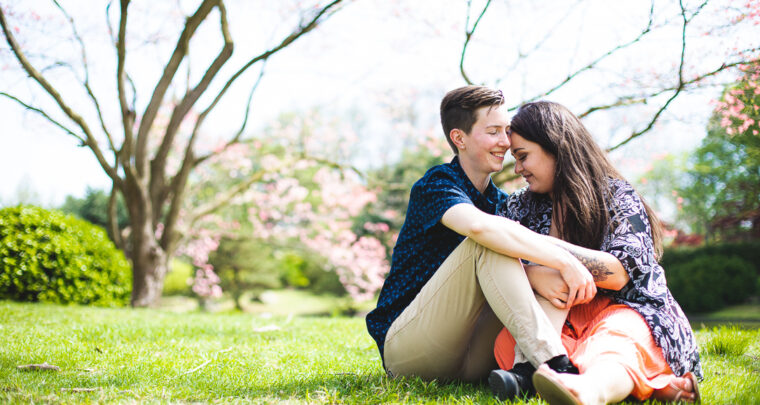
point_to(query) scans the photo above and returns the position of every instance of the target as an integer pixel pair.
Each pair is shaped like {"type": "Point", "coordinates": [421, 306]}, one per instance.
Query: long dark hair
{"type": "Point", "coordinates": [581, 191]}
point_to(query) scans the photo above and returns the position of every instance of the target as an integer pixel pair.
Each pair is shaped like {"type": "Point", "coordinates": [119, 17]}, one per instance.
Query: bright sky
{"type": "Point", "coordinates": [368, 51]}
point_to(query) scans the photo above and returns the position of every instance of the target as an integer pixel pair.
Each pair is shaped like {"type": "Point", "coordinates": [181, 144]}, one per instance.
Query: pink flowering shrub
{"type": "Point", "coordinates": [739, 111]}
{"type": "Point", "coordinates": [294, 200]}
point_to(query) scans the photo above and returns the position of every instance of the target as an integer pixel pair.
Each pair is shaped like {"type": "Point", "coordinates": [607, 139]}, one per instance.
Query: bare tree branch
{"type": "Point", "coordinates": [596, 61]}
{"type": "Point", "coordinates": [302, 30]}
{"type": "Point", "coordinates": [113, 223]}
{"type": "Point", "coordinates": [158, 165]}
{"type": "Point", "coordinates": [522, 55]}
{"type": "Point", "coordinates": [47, 117]}
{"type": "Point", "coordinates": [37, 76]}
{"type": "Point", "coordinates": [255, 86]}
{"type": "Point", "coordinates": [86, 81]}
{"type": "Point", "coordinates": [127, 113]}
{"type": "Point", "coordinates": [687, 85]}
{"type": "Point", "coordinates": [678, 88]}
{"type": "Point", "coordinates": [225, 197]}
{"type": "Point", "coordinates": [332, 164]}
{"type": "Point", "coordinates": [180, 50]}
{"type": "Point", "coordinates": [191, 97]}
{"type": "Point", "coordinates": [468, 35]}
{"type": "Point", "coordinates": [179, 182]}
{"type": "Point", "coordinates": [108, 22]}
{"type": "Point", "coordinates": [235, 139]}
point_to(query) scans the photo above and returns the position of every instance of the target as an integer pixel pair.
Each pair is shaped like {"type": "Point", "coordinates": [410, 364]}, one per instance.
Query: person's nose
{"type": "Point", "coordinates": [504, 139]}
{"type": "Point", "coordinates": [518, 167]}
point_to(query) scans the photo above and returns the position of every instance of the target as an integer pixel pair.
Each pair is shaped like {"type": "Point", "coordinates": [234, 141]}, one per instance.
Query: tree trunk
{"type": "Point", "coordinates": [149, 267]}
{"type": "Point", "coordinates": [236, 290]}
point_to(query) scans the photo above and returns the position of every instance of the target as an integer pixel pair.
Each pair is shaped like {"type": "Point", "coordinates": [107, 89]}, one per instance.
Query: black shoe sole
{"type": "Point", "coordinates": [500, 387]}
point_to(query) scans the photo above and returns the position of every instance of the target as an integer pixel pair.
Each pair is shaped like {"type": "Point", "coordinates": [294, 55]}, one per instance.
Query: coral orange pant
{"type": "Point", "coordinates": [602, 331]}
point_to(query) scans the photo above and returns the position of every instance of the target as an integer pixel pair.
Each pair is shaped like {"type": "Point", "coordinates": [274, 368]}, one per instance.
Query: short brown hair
{"type": "Point", "coordinates": [459, 106]}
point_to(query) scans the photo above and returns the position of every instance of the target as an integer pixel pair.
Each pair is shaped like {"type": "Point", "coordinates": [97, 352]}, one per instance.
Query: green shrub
{"type": "Point", "coordinates": [51, 257]}
{"type": "Point", "coordinates": [179, 279]}
{"type": "Point", "coordinates": [680, 262]}
{"type": "Point", "coordinates": [749, 251]}
{"type": "Point", "coordinates": [710, 282]}
{"type": "Point", "coordinates": [315, 269]}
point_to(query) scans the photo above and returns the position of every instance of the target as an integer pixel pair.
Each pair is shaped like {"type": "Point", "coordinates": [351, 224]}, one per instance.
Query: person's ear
{"type": "Point", "coordinates": [457, 137]}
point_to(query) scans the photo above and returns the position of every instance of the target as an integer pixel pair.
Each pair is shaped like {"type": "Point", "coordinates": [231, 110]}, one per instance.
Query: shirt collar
{"type": "Point", "coordinates": [491, 191]}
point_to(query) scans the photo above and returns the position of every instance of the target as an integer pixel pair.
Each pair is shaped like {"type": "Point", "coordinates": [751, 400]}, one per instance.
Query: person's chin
{"type": "Point", "coordinates": [536, 189]}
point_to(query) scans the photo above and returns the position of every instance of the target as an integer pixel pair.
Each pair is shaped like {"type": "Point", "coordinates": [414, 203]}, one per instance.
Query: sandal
{"type": "Point", "coordinates": [551, 389]}
{"type": "Point", "coordinates": [676, 390]}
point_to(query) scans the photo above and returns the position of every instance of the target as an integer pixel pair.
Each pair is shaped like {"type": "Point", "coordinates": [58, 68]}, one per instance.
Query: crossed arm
{"type": "Point", "coordinates": [566, 274]}
{"type": "Point", "coordinates": [512, 239]}
{"type": "Point", "coordinates": [606, 269]}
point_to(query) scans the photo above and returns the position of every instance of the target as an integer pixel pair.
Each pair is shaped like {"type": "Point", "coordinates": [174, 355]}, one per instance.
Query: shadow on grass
{"type": "Point", "coordinates": [371, 388]}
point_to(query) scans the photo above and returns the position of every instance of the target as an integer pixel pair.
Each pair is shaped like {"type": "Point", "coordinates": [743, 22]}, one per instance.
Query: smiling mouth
{"type": "Point", "coordinates": [498, 155]}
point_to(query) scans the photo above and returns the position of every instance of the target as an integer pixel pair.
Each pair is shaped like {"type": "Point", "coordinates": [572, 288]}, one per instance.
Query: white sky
{"type": "Point", "coordinates": [370, 49]}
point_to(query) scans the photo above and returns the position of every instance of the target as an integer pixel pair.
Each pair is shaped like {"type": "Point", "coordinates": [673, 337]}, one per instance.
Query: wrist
{"type": "Point", "coordinates": [565, 260]}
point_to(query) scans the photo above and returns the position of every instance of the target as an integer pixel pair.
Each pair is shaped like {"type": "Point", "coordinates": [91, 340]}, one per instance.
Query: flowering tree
{"type": "Point", "coordinates": [723, 180]}
{"type": "Point", "coordinates": [304, 202]}
{"type": "Point", "coordinates": [718, 195]}
{"type": "Point", "coordinates": [739, 110]}
{"type": "Point", "coordinates": [140, 162]}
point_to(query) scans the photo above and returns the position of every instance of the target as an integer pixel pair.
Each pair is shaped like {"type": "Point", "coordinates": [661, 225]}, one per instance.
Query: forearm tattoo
{"type": "Point", "coordinates": [598, 270]}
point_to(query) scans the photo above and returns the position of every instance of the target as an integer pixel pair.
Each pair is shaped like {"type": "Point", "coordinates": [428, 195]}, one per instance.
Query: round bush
{"type": "Point", "coordinates": [47, 256]}
{"type": "Point", "coordinates": [710, 282]}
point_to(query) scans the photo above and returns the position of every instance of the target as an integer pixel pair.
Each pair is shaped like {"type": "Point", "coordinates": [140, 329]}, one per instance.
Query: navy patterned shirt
{"type": "Point", "coordinates": [629, 239]}
{"type": "Point", "coordinates": [424, 243]}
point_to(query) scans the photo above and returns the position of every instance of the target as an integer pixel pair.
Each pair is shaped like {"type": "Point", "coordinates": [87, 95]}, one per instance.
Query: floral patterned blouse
{"type": "Point", "coordinates": [629, 238]}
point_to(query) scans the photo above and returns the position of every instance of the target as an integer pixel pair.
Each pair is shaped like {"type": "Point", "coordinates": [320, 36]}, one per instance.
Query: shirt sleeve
{"type": "Point", "coordinates": [432, 198]}
{"type": "Point", "coordinates": [630, 241]}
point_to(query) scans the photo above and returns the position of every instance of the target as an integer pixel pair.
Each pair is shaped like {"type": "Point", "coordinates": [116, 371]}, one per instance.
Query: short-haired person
{"type": "Point", "coordinates": [454, 281]}
{"type": "Point", "coordinates": [632, 338]}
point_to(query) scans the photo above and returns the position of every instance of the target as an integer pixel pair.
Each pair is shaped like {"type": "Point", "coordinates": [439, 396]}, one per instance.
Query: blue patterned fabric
{"type": "Point", "coordinates": [424, 243]}
{"type": "Point", "coordinates": [629, 238]}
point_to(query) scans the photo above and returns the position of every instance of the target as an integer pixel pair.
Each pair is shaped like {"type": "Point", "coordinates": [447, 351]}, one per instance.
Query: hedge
{"type": "Point", "coordinates": [47, 256]}
{"type": "Point", "coordinates": [711, 277]}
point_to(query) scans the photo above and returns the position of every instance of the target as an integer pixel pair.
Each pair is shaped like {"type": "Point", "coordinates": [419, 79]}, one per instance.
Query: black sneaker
{"type": "Point", "coordinates": [517, 382]}
{"type": "Point", "coordinates": [562, 364]}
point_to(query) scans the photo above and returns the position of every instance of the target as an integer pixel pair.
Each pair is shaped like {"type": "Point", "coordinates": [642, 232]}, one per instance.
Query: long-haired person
{"type": "Point", "coordinates": [632, 338]}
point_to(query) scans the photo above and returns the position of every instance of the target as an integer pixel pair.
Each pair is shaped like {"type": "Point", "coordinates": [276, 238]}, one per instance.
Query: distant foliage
{"type": "Point", "coordinates": [714, 276]}
{"type": "Point", "coordinates": [715, 188]}
{"type": "Point", "coordinates": [47, 256]}
{"type": "Point", "coordinates": [723, 182]}
{"type": "Point", "coordinates": [179, 279]}
{"type": "Point", "coordinates": [93, 207]}
{"type": "Point", "coordinates": [237, 262]}
{"type": "Point", "coordinates": [384, 217]}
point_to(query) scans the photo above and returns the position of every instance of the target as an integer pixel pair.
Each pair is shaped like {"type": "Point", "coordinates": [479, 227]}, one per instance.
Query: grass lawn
{"type": "Point", "coordinates": [126, 355]}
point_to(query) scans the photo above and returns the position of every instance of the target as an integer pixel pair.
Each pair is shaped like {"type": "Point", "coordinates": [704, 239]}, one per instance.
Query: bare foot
{"type": "Point", "coordinates": [680, 389]}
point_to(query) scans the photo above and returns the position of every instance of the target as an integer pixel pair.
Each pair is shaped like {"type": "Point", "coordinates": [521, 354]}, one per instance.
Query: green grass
{"type": "Point", "coordinates": [730, 341]}
{"type": "Point", "coordinates": [737, 312]}
{"type": "Point", "coordinates": [159, 356]}
{"type": "Point", "coordinates": [282, 302]}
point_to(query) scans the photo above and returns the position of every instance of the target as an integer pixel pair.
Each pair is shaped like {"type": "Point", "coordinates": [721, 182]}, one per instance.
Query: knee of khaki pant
{"type": "Point", "coordinates": [510, 295]}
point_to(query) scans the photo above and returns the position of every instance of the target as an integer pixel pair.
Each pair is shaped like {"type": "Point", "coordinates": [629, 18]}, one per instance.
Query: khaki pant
{"type": "Point", "coordinates": [448, 330]}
